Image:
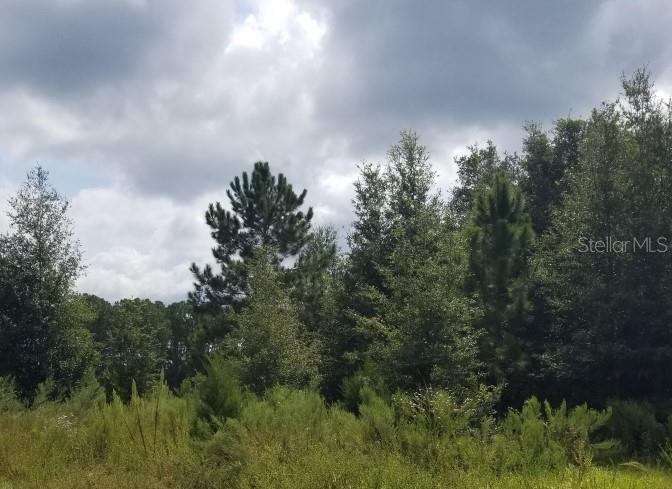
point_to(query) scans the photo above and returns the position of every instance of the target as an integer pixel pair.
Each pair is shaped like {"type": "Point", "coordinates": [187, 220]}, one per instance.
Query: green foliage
{"type": "Point", "coordinates": [9, 400]}
{"type": "Point", "coordinates": [73, 353]}
{"type": "Point", "coordinates": [433, 298]}
{"type": "Point", "coordinates": [352, 387]}
{"type": "Point", "coordinates": [135, 346]}
{"type": "Point", "coordinates": [269, 343]}
{"type": "Point", "coordinates": [444, 414]}
{"type": "Point", "coordinates": [476, 171]}
{"type": "Point", "coordinates": [46, 392]}
{"type": "Point", "coordinates": [641, 429]}
{"type": "Point", "coordinates": [314, 279]}
{"type": "Point", "coordinates": [547, 163]}
{"type": "Point", "coordinates": [89, 394]}
{"type": "Point", "coordinates": [609, 312]}
{"type": "Point", "coordinates": [182, 353]}
{"type": "Point", "coordinates": [218, 394]}
{"type": "Point", "coordinates": [368, 239]}
{"type": "Point", "coordinates": [407, 313]}
{"type": "Point", "coordinates": [264, 213]}
{"type": "Point", "coordinates": [39, 262]}
{"type": "Point", "coordinates": [291, 438]}
{"type": "Point", "coordinates": [423, 334]}
{"type": "Point", "coordinates": [540, 436]}
{"type": "Point", "coordinates": [500, 243]}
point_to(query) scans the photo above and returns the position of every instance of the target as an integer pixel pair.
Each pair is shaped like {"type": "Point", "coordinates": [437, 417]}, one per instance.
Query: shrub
{"type": "Point", "coordinates": [537, 437]}
{"type": "Point", "coordinates": [88, 394]}
{"type": "Point", "coordinates": [218, 394]}
{"type": "Point", "coordinates": [9, 400]}
{"type": "Point", "coordinates": [378, 418]}
{"type": "Point", "coordinates": [351, 388]}
{"type": "Point", "coordinates": [635, 425]}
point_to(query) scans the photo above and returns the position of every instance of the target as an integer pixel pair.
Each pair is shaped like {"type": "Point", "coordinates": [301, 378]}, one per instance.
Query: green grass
{"type": "Point", "coordinates": [290, 439]}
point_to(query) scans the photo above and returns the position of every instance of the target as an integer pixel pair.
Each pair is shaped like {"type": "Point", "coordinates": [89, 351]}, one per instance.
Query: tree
{"type": "Point", "coordinates": [546, 163]}
{"type": "Point", "coordinates": [264, 212]}
{"type": "Point", "coordinates": [268, 341]}
{"type": "Point", "coordinates": [369, 237]}
{"type": "Point", "coordinates": [318, 289]}
{"type": "Point", "coordinates": [39, 263]}
{"type": "Point", "coordinates": [610, 306]}
{"type": "Point", "coordinates": [134, 349]}
{"type": "Point", "coordinates": [475, 172]}
{"type": "Point", "coordinates": [313, 280]}
{"type": "Point", "coordinates": [501, 236]}
{"type": "Point", "coordinates": [403, 293]}
{"type": "Point", "coordinates": [96, 325]}
{"type": "Point", "coordinates": [183, 329]}
{"type": "Point", "coordinates": [423, 333]}
{"type": "Point", "coordinates": [387, 200]}
{"type": "Point", "coordinates": [410, 178]}
{"type": "Point", "coordinates": [73, 352]}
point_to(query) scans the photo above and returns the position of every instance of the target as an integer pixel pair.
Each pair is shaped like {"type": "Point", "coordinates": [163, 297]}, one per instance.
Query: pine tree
{"type": "Point", "coordinates": [500, 240]}
{"type": "Point", "coordinates": [264, 212]}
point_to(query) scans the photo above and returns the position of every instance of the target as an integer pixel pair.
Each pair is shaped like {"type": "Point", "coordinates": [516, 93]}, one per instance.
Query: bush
{"type": "Point", "coordinates": [351, 388]}
{"type": "Point", "coordinates": [378, 418]}
{"type": "Point", "coordinates": [9, 400]}
{"type": "Point", "coordinates": [218, 394]}
{"type": "Point", "coordinates": [89, 394]}
{"type": "Point", "coordinates": [538, 438]}
{"type": "Point", "coordinates": [640, 432]}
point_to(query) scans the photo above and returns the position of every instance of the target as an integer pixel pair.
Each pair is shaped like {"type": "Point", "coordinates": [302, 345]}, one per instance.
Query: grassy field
{"type": "Point", "coordinates": [290, 439]}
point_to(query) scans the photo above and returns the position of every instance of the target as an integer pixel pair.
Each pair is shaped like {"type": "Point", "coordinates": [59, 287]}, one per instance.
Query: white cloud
{"type": "Point", "coordinates": [278, 21]}
{"type": "Point", "coordinates": [138, 245]}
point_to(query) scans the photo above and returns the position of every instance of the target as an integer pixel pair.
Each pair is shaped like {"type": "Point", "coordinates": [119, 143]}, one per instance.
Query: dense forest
{"type": "Point", "coordinates": [514, 330]}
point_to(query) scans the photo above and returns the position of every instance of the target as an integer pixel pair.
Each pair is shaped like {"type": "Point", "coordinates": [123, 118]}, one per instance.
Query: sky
{"type": "Point", "coordinates": [144, 110]}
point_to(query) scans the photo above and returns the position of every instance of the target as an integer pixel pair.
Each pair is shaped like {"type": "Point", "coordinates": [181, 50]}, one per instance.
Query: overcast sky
{"type": "Point", "coordinates": [144, 110]}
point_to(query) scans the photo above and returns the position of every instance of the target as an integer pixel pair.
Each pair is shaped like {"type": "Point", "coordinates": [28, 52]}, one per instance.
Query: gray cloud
{"type": "Point", "coordinates": [157, 104]}
{"type": "Point", "coordinates": [459, 63]}
{"type": "Point", "coordinates": [66, 48]}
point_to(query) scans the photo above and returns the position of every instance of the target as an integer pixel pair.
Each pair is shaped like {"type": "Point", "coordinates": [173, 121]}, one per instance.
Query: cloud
{"type": "Point", "coordinates": [138, 246]}
{"type": "Point", "coordinates": [144, 110]}
{"type": "Point", "coordinates": [75, 48]}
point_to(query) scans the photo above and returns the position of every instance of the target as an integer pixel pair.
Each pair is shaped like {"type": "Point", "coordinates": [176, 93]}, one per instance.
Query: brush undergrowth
{"type": "Point", "coordinates": [291, 439]}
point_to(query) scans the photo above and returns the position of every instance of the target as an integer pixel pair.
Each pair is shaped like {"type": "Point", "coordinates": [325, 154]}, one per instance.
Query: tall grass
{"type": "Point", "coordinates": [291, 439]}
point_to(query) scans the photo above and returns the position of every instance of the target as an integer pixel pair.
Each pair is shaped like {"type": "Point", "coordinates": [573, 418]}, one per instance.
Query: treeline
{"type": "Point", "coordinates": [486, 285]}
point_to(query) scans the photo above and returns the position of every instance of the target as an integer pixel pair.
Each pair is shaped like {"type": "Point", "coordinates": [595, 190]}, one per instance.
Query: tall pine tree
{"type": "Point", "coordinates": [264, 213]}
{"type": "Point", "coordinates": [500, 240]}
